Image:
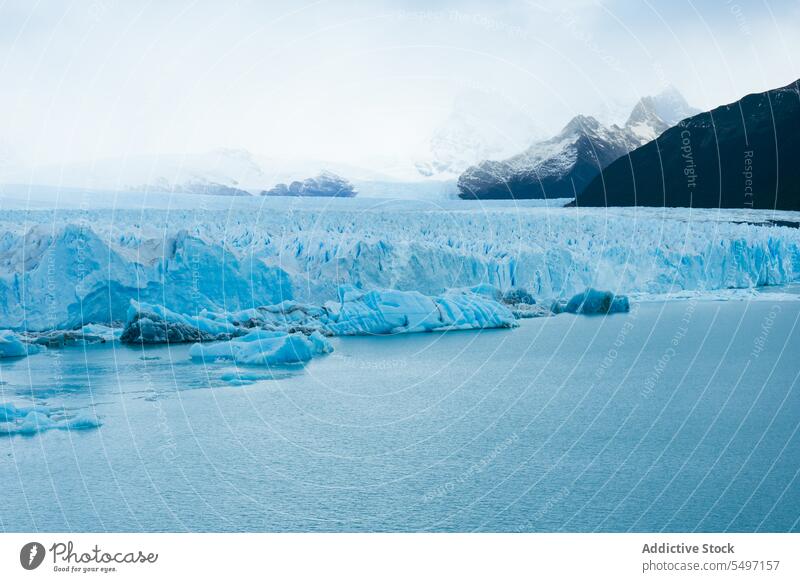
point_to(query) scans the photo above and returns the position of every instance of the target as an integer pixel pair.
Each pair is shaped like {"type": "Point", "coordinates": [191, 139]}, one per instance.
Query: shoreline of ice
{"type": "Point", "coordinates": [63, 269]}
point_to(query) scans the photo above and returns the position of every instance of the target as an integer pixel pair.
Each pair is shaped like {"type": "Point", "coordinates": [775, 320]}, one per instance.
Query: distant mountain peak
{"type": "Point", "coordinates": [644, 121]}
{"type": "Point", "coordinates": [324, 184]}
{"type": "Point", "coordinates": [645, 109]}
{"type": "Point", "coordinates": [580, 124]}
{"type": "Point", "coordinates": [481, 125]}
{"type": "Point", "coordinates": [741, 155]}
{"type": "Point", "coordinates": [563, 165]}
{"type": "Point", "coordinates": [671, 106]}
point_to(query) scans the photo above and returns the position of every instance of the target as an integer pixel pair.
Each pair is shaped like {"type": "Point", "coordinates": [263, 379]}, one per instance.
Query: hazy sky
{"type": "Point", "coordinates": [350, 81]}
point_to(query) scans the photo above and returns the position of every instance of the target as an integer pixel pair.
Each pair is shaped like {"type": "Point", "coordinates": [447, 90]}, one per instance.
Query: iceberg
{"type": "Point", "coordinates": [34, 422]}
{"type": "Point", "coordinates": [382, 312]}
{"type": "Point", "coordinates": [592, 302]}
{"type": "Point", "coordinates": [320, 344]}
{"type": "Point", "coordinates": [524, 306]}
{"type": "Point", "coordinates": [459, 310]}
{"type": "Point", "coordinates": [243, 378]}
{"type": "Point", "coordinates": [30, 420]}
{"type": "Point", "coordinates": [264, 348]}
{"type": "Point", "coordinates": [155, 324]}
{"type": "Point", "coordinates": [12, 346]}
{"type": "Point", "coordinates": [388, 311]}
{"type": "Point", "coordinates": [358, 312]}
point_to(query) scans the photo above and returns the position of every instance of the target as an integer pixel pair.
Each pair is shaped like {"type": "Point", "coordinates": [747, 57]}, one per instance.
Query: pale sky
{"type": "Point", "coordinates": [350, 81]}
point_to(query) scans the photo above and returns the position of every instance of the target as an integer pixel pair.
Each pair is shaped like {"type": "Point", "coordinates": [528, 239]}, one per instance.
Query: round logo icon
{"type": "Point", "coordinates": [31, 555]}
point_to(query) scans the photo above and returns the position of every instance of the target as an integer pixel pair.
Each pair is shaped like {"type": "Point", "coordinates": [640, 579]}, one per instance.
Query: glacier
{"type": "Point", "coordinates": [64, 268]}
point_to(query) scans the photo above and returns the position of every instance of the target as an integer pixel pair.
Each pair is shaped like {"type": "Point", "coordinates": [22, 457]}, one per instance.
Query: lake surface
{"type": "Point", "coordinates": [679, 416]}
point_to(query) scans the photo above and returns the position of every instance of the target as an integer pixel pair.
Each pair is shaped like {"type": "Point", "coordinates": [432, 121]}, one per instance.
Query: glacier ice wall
{"type": "Point", "coordinates": [60, 269]}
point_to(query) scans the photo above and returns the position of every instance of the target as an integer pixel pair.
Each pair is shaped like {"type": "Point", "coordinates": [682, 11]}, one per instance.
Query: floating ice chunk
{"type": "Point", "coordinates": [12, 346]}
{"type": "Point", "coordinates": [80, 423]}
{"type": "Point", "coordinates": [523, 305]}
{"type": "Point", "coordinates": [34, 422]}
{"type": "Point", "coordinates": [30, 420]}
{"type": "Point", "coordinates": [10, 413]}
{"type": "Point", "coordinates": [155, 324]}
{"type": "Point", "coordinates": [459, 310]}
{"type": "Point", "coordinates": [384, 312]}
{"type": "Point", "coordinates": [593, 301]}
{"type": "Point", "coordinates": [263, 348]}
{"type": "Point", "coordinates": [320, 343]}
{"type": "Point", "coordinates": [242, 378]}
{"type": "Point", "coordinates": [92, 333]}
{"type": "Point", "coordinates": [389, 311]}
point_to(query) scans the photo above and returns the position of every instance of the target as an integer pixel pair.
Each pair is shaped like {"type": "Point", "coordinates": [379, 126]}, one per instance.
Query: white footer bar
{"type": "Point", "coordinates": [352, 557]}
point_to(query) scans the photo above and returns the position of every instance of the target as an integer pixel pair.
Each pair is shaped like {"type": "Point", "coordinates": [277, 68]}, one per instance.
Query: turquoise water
{"type": "Point", "coordinates": [680, 416]}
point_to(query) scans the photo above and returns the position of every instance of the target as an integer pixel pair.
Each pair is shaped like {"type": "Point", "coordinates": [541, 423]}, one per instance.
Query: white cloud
{"type": "Point", "coordinates": [351, 81]}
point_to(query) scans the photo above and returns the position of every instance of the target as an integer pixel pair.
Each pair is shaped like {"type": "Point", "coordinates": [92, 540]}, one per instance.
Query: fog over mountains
{"type": "Point", "coordinates": [741, 155]}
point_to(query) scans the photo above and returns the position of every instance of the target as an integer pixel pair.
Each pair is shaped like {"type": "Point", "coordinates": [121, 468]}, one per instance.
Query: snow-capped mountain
{"type": "Point", "coordinates": [481, 126]}
{"type": "Point", "coordinates": [562, 166]}
{"type": "Point", "coordinates": [652, 116]}
{"type": "Point", "coordinates": [671, 106]}
{"type": "Point", "coordinates": [325, 184]}
{"type": "Point", "coordinates": [741, 155]}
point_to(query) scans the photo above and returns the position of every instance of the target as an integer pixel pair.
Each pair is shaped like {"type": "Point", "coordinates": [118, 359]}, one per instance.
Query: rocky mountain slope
{"type": "Point", "coordinates": [324, 184]}
{"type": "Point", "coordinates": [741, 155]}
{"type": "Point", "coordinates": [562, 166]}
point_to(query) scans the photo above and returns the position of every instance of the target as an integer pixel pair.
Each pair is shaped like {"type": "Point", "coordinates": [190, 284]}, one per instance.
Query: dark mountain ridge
{"type": "Point", "coordinates": [564, 165]}
{"type": "Point", "coordinates": [742, 155]}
